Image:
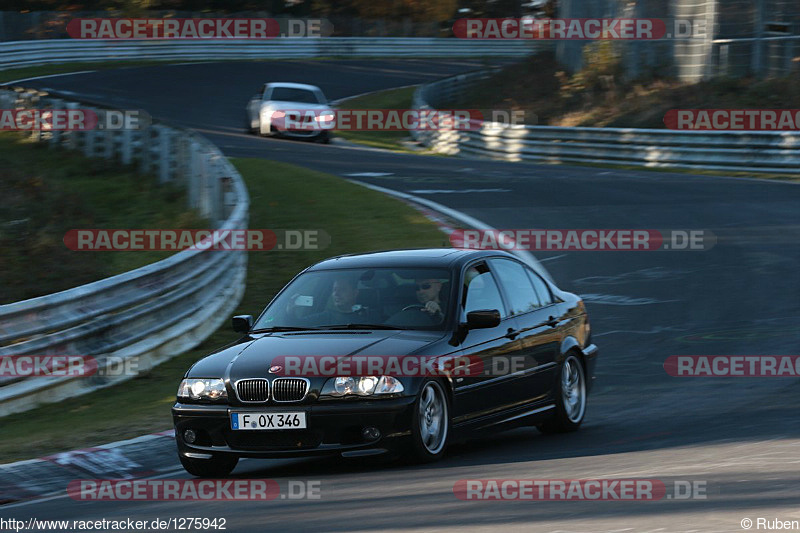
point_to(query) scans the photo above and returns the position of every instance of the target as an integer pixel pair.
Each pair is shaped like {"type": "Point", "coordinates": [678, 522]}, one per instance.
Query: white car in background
{"type": "Point", "coordinates": [266, 111]}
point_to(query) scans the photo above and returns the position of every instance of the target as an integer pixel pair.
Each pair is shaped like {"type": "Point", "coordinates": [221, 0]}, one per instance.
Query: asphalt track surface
{"type": "Point", "coordinates": [740, 436]}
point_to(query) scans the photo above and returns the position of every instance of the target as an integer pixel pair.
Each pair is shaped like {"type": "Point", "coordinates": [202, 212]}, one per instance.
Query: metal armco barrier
{"type": "Point", "coordinates": [150, 314]}
{"type": "Point", "coordinates": [747, 151]}
{"type": "Point", "coordinates": [30, 53]}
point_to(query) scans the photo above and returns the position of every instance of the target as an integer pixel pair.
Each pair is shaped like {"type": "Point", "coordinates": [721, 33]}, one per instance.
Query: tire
{"type": "Point", "coordinates": [216, 467]}
{"type": "Point", "coordinates": [323, 138]}
{"type": "Point", "coordinates": [570, 395]}
{"type": "Point", "coordinates": [430, 425]}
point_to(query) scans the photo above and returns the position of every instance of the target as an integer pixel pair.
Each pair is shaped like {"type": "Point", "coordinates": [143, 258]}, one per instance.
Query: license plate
{"type": "Point", "coordinates": [292, 420]}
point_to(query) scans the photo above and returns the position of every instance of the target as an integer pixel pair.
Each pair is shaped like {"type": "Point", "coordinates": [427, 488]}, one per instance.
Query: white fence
{"type": "Point", "coordinates": [147, 315]}
{"type": "Point", "coordinates": [30, 53]}
{"type": "Point", "coordinates": [774, 152]}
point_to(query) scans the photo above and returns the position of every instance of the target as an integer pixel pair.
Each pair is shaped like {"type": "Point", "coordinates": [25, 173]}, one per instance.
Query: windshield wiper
{"type": "Point", "coordinates": [358, 326]}
{"type": "Point", "coordinates": [282, 328]}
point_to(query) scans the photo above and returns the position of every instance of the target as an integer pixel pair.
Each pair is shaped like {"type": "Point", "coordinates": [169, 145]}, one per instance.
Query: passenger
{"type": "Point", "coordinates": [345, 310]}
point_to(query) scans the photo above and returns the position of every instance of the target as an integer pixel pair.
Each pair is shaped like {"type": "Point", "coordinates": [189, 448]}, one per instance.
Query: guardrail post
{"type": "Point", "coordinates": [38, 102]}
{"type": "Point", "coordinates": [55, 135]}
{"type": "Point", "coordinates": [145, 148]}
{"type": "Point", "coordinates": [165, 154]}
{"type": "Point", "coordinates": [72, 136]}
{"type": "Point", "coordinates": [108, 144]}
{"type": "Point", "coordinates": [215, 191]}
{"type": "Point", "coordinates": [229, 198]}
{"type": "Point", "coordinates": [193, 174]}
{"type": "Point", "coordinates": [202, 185]}
{"type": "Point", "coordinates": [90, 136]}
{"type": "Point", "coordinates": [126, 149]}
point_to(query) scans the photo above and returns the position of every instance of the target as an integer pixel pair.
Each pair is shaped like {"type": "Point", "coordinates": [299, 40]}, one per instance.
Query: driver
{"type": "Point", "coordinates": [428, 295]}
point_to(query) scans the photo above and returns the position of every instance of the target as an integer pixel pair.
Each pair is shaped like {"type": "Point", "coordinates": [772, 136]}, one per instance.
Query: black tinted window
{"type": "Point", "coordinates": [482, 291]}
{"type": "Point", "coordinates": [394, 297]}
{"type": "Point", "coordinates": [542, 290]}
{"type": "Point", "coordinates": [517, 285]}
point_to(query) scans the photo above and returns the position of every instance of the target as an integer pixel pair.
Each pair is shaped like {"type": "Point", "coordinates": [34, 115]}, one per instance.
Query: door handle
{"type": "Point", "coordinates": [512, 333]}
{"type": "Point", "coordinates": [552, 322]}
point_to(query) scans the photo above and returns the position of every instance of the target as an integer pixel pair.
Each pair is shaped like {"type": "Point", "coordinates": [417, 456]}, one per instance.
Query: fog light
{"type": "Point", "coordinates": [370, 433]}
{"type": "Point", "coordinates": [189, 436]}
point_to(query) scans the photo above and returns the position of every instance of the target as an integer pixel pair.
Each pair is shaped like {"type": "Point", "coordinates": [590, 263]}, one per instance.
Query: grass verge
{"type": "Point", "coordinates": [47, 192]}
{"type": "Point", "coordinates": [282, 196]}
{"type": "Point", "coordinates": [389, 99]}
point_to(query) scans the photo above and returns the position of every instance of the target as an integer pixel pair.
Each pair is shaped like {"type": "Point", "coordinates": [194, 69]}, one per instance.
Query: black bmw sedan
{"type": "Point", "coordinates": [399, 351]}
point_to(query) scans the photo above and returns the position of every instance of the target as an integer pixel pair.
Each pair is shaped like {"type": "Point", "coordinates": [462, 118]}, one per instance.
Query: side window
{"type": "Point", "coordinates": [541, 288]}
{"type": "Point", "coordinates": [517, 285]}
{"type": "Point", "coordinates": [265, 92]}
{"type": "Point", "coordinates": [481, 291]}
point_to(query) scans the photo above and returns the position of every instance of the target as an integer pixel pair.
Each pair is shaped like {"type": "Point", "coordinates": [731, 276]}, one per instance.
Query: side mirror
{"type": "Point", "coordinates": [242, 323]}
{"type": "Point", "coordinates": [484, 318]}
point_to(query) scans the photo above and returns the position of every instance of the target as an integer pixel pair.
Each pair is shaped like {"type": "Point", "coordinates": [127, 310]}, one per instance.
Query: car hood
{"type": "Point", "coordinates": [253, 358]}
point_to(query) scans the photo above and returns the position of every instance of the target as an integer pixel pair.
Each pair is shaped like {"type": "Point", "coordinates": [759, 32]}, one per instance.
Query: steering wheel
{"type": "Point", "coordinates": [413, 306]}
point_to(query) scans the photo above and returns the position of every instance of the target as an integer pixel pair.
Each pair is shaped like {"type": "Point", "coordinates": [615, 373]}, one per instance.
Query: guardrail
{"type": "Point", "coordinates": [31, 53]}
{"type": "Point", "coordinates": [151, 313]}
{"type": "Point", "coordinates": [749, 151]}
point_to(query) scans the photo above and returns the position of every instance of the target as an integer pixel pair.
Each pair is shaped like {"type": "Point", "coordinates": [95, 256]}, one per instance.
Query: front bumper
{"type": "Point", "coordinates": [333, 427]}
{"type": "Point", "coordinates": [301, 133]}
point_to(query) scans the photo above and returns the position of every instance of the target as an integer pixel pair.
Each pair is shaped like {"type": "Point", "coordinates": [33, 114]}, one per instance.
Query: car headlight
{"type": "Point", "coordinates": [362, 386]}
{"type": "Point", "coordinates": [326, 117]}
{"type": "Point", "coordinates": [202, 389]}
{"type": "Point", "coordinates": [278, 114]}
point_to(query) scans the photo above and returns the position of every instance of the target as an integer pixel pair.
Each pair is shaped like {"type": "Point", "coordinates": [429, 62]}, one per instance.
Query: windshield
{"type": "Point", "coordinates": [374, 298]}
{"type": "Point", "coordinates": [287, 94]}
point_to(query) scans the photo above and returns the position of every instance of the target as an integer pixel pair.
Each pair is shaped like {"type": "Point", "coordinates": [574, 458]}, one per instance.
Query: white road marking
{"type": "Point", "coordinates": [48, 76]}
{"type": "Point", "coordinates": [456, 191]}
{"type": "Point", "coordinates": [60, 495]}
{"type": "Point", "coordinates": [463, 218]}
{"type": "Point", "coordinates": [552, 258]}
{"type": "Point", "coordinates": [655, 330]}
{"type": "Point", "coordinates": [369, 174]}
{"type": "Point", "coordinates": [340, 100]}
{"type": "Point", "coordinates": [615, 299]}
